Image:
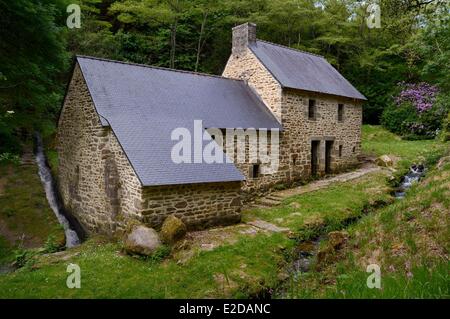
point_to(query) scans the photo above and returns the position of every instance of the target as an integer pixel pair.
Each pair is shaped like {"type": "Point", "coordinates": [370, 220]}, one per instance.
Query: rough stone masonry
{"type": "Point", "coordinates": [321, 133]}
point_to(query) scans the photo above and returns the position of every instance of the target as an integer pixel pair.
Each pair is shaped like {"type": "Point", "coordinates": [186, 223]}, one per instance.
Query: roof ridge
{"type": "Point", "coordinates": [293, 49]}
{"type": "Point", "coordinates": [156, 67]}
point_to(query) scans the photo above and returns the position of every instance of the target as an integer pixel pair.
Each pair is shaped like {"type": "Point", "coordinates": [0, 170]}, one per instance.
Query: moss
{"type": "Point", "coordinates": [172, 230]}
{"type": "Point", "coordinates": [24, 208]}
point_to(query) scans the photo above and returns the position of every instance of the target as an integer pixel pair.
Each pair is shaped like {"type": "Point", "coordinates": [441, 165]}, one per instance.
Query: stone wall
{"type": "Point", "coordinates": [245, 66]}
{"type": "Point", "coordinates": [100, 188]}
{"type": "Point", "coordinates": [198, 205]}
{"type": "Point", "coordinates": [300, 131]}
{"type": "Point", "coordinates": [291, 108]}
{"type": "Point", "coordinates": [95, 179]}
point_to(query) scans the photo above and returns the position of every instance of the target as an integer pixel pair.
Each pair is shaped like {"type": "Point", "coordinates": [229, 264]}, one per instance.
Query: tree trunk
{"type": "Point", "coordinates": [199, 45]}
{"type": "Point", "coordinates": [173, 42]}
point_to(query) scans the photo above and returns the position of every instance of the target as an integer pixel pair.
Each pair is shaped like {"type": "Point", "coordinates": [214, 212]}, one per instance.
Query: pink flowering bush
{"type": "Point", "coordinates": [421, 95]}
{"type": "Point", "coordinates": [417, 111]}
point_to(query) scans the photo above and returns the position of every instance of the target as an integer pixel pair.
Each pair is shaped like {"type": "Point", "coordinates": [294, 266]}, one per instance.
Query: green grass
{"type": "Point", "coordinates": [24, 209]}
{"type": "Point", "coordinates": [330, 206]}
{"type": "Point", "coordinates": [378, 141]}
{"type": "Point", "coordinates": [6, 252]}
{"type": "Point", "coordinates": [52, 159]}
{"type": "Point", "coordinates": [250, 264]}
{"type": "Point", "coordinates": [409, 240]}
{"type": "Point", "coordinates": [239, 270]}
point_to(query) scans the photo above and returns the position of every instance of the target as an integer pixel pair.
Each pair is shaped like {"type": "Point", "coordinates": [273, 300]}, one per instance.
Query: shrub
{"type": "Point", "coordinates": [417, 113]}
{"type": "Point", "coordinates": [9, 158]}
{"type": "Point", "coordinates": [21, 257]}
{"type": "Point", "coordinates": [394, 116]}
{"type": "Point", "coordinates": [51, 245]}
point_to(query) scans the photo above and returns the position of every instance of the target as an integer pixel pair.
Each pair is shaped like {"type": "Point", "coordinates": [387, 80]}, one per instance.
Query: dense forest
{"type": "Point", "coordinates": [402, 67]}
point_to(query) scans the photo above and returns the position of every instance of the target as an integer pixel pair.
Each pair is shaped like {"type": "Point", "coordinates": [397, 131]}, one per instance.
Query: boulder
{"type": "Point", "coordinates": [172, 230]}
{"type": "Point", "coordinates": [337, 238]}
{"type": "Point", "coordinates": [141, 240]}
{"type": "Point", "coordinates": [385, 161]}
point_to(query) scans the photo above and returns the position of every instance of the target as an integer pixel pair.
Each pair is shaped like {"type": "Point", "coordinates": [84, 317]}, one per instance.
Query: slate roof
{"type": "Point", "coordinates": [143, 104]}
{"type": "Point", "coordinates": [301, 70]}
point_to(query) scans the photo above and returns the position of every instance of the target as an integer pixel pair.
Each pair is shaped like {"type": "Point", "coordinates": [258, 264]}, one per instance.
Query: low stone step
{"type": "Point", "coordinates": [267, 226]}
{"type": "Point", "coordinates": [256, 206]}
{"type": "Point", "coordinates": [268, 202]}
{"type": "Point", "coordinates": [275, 197]}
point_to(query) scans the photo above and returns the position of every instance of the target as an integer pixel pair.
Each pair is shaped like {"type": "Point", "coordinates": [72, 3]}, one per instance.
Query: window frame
{"type": "Point", "coordinates": [256, 166]}
{"type": "Point", "coordinates": [312, 106]}
{"type": "Point", "coordinates": [340, 116]}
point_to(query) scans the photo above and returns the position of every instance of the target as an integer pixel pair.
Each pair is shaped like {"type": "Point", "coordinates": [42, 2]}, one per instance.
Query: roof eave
{"type": "Point", "coordinates": [363, 99]}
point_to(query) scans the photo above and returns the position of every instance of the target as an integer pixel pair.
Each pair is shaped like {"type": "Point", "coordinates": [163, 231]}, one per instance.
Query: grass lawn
{"type": "Point", "coordinates": [378, 141]}
{"type": "Point", "coordinates": [328, 207]}
{"type": "Point", "coordinates": [245, 266]}
{"type": "Point", "coordinates": [409, 240]}
{"type": "Point", "coordinates": [26, 220]}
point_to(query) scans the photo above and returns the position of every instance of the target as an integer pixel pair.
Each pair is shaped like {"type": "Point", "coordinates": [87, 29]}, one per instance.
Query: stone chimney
{"type": "Point", "coordinates": [243, 36]}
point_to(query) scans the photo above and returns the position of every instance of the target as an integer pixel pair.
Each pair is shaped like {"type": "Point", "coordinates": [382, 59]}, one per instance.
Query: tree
{"type": "Point", "coordinates": [32, 60]}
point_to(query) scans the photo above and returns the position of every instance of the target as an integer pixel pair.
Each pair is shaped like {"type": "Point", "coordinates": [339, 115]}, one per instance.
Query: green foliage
{"type": "Point", "coordinates": [405, 120]}
{"type": "Point", "coordinates": [6, 158]}
{"type": "Point", "coordinates": [32, 59]}
{"type": "Point", "coordinates": [379, 141]}
{"type": "Point", "coordinates": [160, 254]}
{"type": "Point", "coordinates": [196, 35]}
{"type": "Point", "coordinates": [21, 257]}
{"type": "Point", "coordinates": [51, 245]}
{"type": "Point", "coordinates": [394, 116]}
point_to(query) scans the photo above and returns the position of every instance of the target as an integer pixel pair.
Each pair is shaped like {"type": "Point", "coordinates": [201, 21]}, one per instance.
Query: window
{"type": "Point", "coordinates": [340, 112]}
{"type": "Point", "coordinates": [254, 172]}
{"type": "Point", "coordinates": [312, 109]}
{"type": "Point", "coordinates": [340, 150]}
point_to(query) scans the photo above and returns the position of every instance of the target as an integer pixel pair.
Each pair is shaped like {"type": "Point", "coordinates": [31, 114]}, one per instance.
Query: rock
{"type": "Point", "coordinates": [267, 226]}
{"type": "Point", "coordinates": [295, 205]}
{"type": "Point", "coordinates": [172, 230]}
{"type": "Point", "coordinates": [337, 238]}
{"type": "Point", "coordinates": [306, 247]}
{"type": "Point", "coordinates": [313, 221]}
{"type": "Point", "coordinates": [324, 255]}
{"type": "Point", "coordinates": [442, 162]}
{"type": "Point", "coordinates": [385, 161]}
{"type": "Point", "coordinates": [141, 240]}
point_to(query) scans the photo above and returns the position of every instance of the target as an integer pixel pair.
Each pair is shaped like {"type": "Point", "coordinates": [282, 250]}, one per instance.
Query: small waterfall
{"type": "Point", "coordinates": [72, 238]}
{"type": "Point", "coordinates": [415, 173]}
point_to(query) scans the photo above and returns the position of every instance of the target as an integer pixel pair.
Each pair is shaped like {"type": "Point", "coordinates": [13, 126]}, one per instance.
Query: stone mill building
{"type": "Point", "coordinates": [116, 133]}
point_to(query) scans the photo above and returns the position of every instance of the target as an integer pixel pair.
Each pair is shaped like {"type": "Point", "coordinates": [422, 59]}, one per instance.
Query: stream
{"type": "Point", "coordinates": [414, 175]}
{"type": "Point", "coordinates": [72, 238]}
{"type": "Point", "coordinates": [307, 250]}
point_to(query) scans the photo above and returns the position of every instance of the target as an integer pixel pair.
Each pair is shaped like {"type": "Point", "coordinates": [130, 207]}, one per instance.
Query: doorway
{"type": "Point", "coordinates": [314, 157]}
{"type": "Point", "coordinates": [328, 150]}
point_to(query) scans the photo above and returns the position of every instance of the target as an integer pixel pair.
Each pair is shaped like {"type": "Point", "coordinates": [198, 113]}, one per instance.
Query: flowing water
{"type": "Point", "coordinates": [72, 238]}
{"type": "Point", "coordinates": [415, 173]}
{"type": "Point", "coordinates": [307, 250]}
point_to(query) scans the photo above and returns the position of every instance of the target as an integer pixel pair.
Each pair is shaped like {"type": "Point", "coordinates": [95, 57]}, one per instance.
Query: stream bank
{"type": "Point", "coordinates": [72, 229]}
{"type": "Point", "coordinates": [308, 255]}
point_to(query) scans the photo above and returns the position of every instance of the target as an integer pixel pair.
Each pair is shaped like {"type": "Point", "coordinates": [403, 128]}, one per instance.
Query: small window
{"type": "Point", "coordinates": [354, 149]}
{"type": "Point", "coordinates": [312, 109]}
{"type": "Point", "coordinates": [340, 150]}
{"type": "Point", "coordinates": [255, 171]}
{"type": "Point", "coordinates": [340, 112]}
